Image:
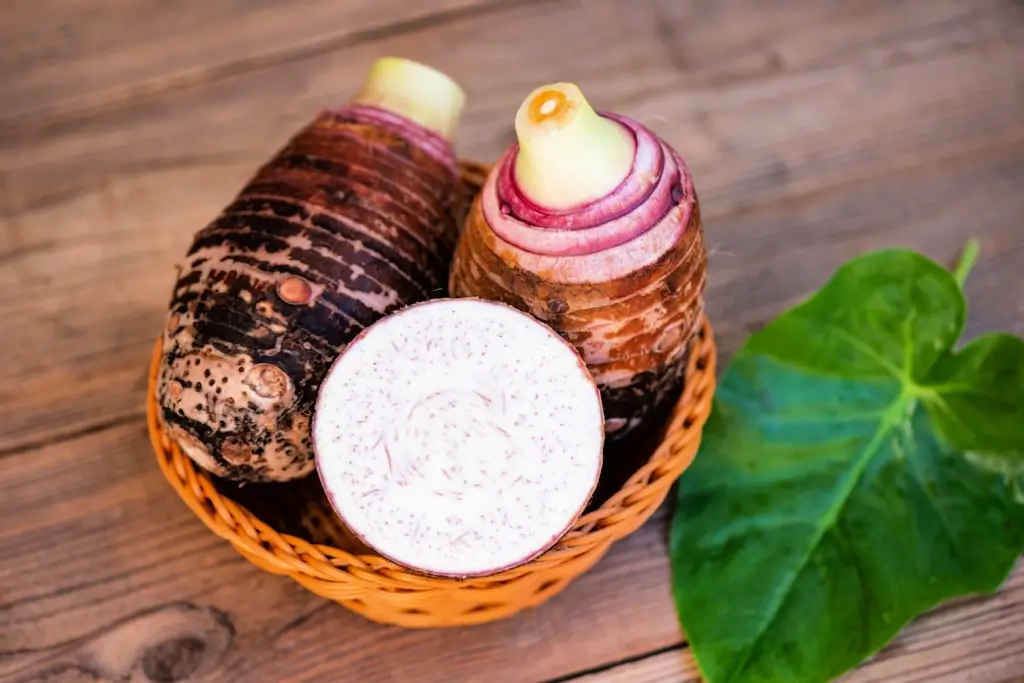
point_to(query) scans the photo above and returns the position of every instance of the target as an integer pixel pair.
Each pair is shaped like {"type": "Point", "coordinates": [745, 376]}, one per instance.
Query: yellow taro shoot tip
{"type": "Point", "coordinates": [568, 153]}
{"type": "Point", "coordinates": [416, 91]}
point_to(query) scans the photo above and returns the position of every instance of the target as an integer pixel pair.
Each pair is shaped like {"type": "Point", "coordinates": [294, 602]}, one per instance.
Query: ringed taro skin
{"type": "Point", "coordinates": [355, 217]}
{"type": "Point", "coordinates": [591, 223]}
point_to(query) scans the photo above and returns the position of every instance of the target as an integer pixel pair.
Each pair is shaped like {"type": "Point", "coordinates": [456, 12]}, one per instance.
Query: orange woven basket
{"type": "Point", "coordinates": [289, 529]}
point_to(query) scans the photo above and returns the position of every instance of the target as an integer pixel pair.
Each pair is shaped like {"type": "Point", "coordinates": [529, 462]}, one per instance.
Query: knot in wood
{"type": "Point", "coordinates": [173, 660]}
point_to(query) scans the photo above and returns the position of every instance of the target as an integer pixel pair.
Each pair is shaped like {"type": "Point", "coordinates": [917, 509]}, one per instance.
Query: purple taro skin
{"type": "Point", "coordinates": [621, 277]}
{"type": "Point", "coordinates": [354, 218]}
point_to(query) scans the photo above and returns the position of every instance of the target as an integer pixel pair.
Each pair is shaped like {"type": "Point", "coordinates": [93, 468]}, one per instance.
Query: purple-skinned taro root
{"type": "Point", "coordinates": [459, 437]}
{"type": "Point", "coordinates": [355, 217]}
{"type": "Point", "coordinates": [590, 222]}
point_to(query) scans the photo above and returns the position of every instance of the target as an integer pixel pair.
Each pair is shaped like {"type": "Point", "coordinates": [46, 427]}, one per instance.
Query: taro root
{"type": "Point", "coordinates": [590, 222]}
{"type": "Point", "coordinates": [355, 217]}
{"type": "Point", "coordinates": [459, 437]}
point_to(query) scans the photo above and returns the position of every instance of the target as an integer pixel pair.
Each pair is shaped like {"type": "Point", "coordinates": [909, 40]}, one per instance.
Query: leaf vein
{"type": "Point", "coordinates": [858, 571]}
{"type": "Point", "coordinates": [919, 477]}
{"type": "Point", "coordinates": [746, 525]}
{"type": "Point", "coordinates": [828, 521]}
{"type": "Point", "coordinates": [937, 400]}
{"type": "Point", "coordinates": [857, 344]}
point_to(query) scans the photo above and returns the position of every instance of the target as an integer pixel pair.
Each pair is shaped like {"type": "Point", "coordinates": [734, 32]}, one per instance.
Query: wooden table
{"type": "Point", "coordinates": [815, 130]}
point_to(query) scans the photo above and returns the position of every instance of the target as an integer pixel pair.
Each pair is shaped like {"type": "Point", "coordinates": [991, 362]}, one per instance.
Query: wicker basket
{"type": "Point", "coordinates": [317, 554]}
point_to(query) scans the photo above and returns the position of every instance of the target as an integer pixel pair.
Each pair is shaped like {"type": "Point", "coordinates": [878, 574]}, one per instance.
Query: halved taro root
{"type": "Point", "coordinates": [458, 437]}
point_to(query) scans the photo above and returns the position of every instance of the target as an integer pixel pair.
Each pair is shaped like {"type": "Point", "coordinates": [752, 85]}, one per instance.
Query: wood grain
{"type": "Point", "coordinates": [108, 577]}
{"type": "Point", "coordinates": [815, 130]}
{"type": "Point", "coordinates": [767, 259]}
{"type": "Point", "coordinates": [713, 113]}
{"type": "Point", "coordinates": [979, 639]}
{"type": "Point", "coordinates": [95, 217]}
{"type": "Point", "coordinates": [96, 547]}
{"type": "Point", "coordinates": [246, 116]}
{"type": "Point", "coordinates": [89, 55]}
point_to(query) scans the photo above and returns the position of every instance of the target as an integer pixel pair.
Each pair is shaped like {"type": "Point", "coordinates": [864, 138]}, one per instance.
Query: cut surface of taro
{"type": "Point", "coordinates": [459, 437]}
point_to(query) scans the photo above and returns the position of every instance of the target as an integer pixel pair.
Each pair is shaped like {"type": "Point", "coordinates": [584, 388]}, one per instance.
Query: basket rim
{"type": "Point", "coordinates": [593, 532]}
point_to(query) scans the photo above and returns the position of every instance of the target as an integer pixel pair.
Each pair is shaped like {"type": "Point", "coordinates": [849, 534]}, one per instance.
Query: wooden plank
{"type": "Point", "coordinates": [244, 117]}
{"type": "Point", "coordinates": [629, 67]}
{"type": "Point", "coordinates": [92, 262]}
{"type": "Point", "coordinates": [980, 640]}
{"type": "Point", "coordinates": [129, 48]}
{"type": "Point", "coordinates": [844, 91]}
{"type": "Point", "coordinates": [99, 554]}
{"type": "Point", "coordinates": [764, 40]}
{"type": "Point", "coordinates": [766, 259]}
{"type": "Point", "coordinates": [63, 54]}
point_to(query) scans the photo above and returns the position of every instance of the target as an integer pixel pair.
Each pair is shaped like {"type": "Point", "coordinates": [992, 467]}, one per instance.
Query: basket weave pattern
{"type": "Point", "coordinates": [385, 592]}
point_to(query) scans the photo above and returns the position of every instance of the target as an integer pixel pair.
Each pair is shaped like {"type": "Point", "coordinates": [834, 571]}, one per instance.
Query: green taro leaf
{"type": "Point", "coordinates": [856, 470]}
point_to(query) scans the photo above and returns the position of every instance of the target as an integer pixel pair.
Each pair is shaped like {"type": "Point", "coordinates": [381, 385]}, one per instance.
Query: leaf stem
{"type": "Point", "coordinates": [968, 257]}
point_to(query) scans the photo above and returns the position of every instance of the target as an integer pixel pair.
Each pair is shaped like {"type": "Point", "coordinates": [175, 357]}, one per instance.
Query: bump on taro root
{"type": "Point", "coordinates": [459, 437]}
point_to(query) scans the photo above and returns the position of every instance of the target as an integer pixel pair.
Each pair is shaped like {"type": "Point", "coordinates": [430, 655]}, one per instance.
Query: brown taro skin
{"type": "Point", "coordinates": [631, 325]}
{"type": "Point", "coordinates": [354, 218]}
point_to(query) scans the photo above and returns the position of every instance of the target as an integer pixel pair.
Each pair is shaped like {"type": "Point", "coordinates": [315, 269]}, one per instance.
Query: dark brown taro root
{"type": "Point", "coordinates": [355, 217]}
{"type": "Point", "coordinates": [591, 223]}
